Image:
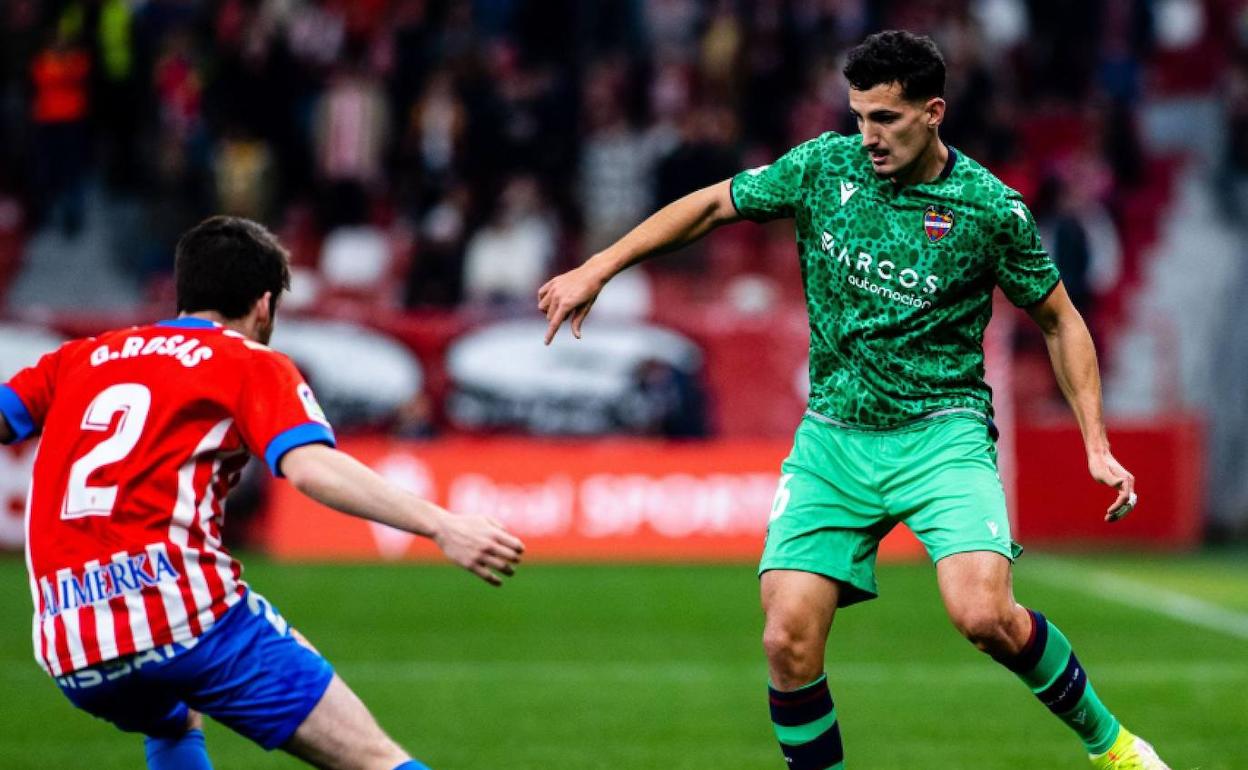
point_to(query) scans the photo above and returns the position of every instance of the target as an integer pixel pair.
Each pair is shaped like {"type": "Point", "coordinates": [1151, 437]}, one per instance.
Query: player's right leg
{"type": "Point", "coordinates": [118, 692]}
{"type": "Point", "coordinates": [825, 527]}
{"type": "Point", "coordinates": [799, 608]}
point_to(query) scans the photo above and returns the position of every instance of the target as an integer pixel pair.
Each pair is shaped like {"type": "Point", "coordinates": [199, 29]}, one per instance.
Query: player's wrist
{"type": "Point", "coordinates": [600, 268]}
{"type": "Point", "coordinates": [1097, 449]}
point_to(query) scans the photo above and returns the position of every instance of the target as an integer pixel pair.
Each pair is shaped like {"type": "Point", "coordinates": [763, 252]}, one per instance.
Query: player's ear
{"type": "Point", "coordinates": [934, 111]}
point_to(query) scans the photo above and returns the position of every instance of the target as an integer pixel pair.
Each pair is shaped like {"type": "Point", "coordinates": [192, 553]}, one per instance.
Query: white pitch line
{"type": "Point", "coordinates": [1145, 596]}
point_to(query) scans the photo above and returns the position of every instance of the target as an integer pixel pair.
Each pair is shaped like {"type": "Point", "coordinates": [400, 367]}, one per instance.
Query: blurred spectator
{"type": "Point", "coordinates": [667, 402]}
{"type": "Point", "coordinates": [705, 154]}
{"type": "Point", "coordinates": [436, 277]}
{"type": "Point", "coordinates": [351, 129]}
{"type": "Point", "coordinates": [1079, 234]}
{"type": "Point", "coordinates": [243, 171]}
{"type": "Point", "coordinates": [617, 160]}
{"type": "Point", "coordinates": [436, 128]}
{"type": "Point", "coordinates": [60, 76]}
{"type": "Point", "coordinates": [179, 98]}
{"type": "Point", "coordinates": [508, 258]}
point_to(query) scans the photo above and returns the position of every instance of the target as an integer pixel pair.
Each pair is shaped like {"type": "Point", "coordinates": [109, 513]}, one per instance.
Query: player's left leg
{"type": "Point", "coordinates": [341, 734]}
{"type": "Point", "coordinates": [976, 588]}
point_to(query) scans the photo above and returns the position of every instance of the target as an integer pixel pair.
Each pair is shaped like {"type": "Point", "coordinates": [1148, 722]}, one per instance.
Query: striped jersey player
{"type": "Point", "coordinates": [124, 540]}
{"type": "Point", "coordinates": [141, 615]}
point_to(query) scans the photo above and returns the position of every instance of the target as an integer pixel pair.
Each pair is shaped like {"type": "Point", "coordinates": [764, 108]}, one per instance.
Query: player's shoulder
{"type": "Point", "coordinates": [978, 180]}
{"type": "Point", "coordinates": [830, 146]}
{"type": "Point", "coordinates": [249, 351]}
{"type": "Point", "coordinates": [828, 152]}
{"type": "Point", "coordinates": [995, 199]}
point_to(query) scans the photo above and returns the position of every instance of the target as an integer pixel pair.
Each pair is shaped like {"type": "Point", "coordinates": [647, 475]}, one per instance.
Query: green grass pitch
{"type": "Point", "coordinates": [639, 667]}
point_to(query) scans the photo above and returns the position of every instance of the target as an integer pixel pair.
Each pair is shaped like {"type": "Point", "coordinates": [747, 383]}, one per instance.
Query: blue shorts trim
{"type": "Point", "coordinates": [16, 413]}
{"type": "Point", "coordinates": [248, 672]}
{"type": "Point", "coordinates": [304, 433]}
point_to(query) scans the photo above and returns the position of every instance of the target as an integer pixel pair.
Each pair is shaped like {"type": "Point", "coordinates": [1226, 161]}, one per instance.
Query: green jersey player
{"type": "Point", "coordinates": [902, 241]}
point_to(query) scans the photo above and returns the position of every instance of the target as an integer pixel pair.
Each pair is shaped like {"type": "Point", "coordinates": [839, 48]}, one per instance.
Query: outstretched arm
{"type": "Point", "coordinates": [333, 478]}
{"type": "Point", "coordinates": [1074, 362]}
{"type": "Point", "coordinates": [677, 224]}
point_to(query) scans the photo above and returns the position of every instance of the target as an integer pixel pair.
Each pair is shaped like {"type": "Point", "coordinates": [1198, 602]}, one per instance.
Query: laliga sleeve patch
{"type": "Point", "coordinates": [310, 404]}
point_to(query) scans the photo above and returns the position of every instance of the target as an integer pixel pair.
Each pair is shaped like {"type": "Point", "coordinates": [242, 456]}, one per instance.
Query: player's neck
{"type": "Point", "coordinates": [239, 325]}
{"type": "Point", "coordinates": [927, 167]}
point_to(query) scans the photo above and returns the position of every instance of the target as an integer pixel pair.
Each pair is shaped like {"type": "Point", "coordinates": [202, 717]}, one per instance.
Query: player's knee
{"type": "Point", "coordinates": [380, 753]}
{"type": "Point", "coordinates": [987, 628]}
{"type": "Point", "coordinates": [792, 651]}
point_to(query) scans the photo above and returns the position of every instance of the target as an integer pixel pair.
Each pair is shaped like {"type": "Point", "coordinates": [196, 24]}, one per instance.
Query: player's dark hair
{"type": "Point", "coordinates": [896, 56]}
{"type": "Point", "coordinates": [224, 264]}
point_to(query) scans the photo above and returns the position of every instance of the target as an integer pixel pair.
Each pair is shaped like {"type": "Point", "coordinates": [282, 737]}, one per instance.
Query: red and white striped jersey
{"type": "Point", "coordinates": [145, 430]}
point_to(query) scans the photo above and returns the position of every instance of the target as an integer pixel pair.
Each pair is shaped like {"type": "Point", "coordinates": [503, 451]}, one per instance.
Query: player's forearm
{"type": "Point", "coordinates": [677, 224]}
{"type": "Point", "coordinates": [341, 482]}
{"type": "Point", "coordinates": [1073, 356]}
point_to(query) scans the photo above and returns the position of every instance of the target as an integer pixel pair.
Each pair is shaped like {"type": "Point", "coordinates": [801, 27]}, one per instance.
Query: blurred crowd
{"type": "Point", "coordinates": [440, 152]}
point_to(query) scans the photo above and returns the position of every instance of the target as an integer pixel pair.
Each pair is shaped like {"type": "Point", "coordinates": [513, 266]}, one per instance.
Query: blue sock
{"type": "Point", "coordinates": [411, 764]}
{"type": "Point", "coordinates": [186, 752]}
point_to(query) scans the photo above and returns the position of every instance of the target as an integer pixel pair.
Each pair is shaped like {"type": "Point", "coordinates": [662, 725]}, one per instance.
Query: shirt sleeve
{"type": "Point", "coordinates": [25, 399]}
{"type": "Point", "coordinates": [774, 191]}
{"type": "Point", "coordinates": [1024, 270]}
{"type": "Point", "coordinates": [278, 411]}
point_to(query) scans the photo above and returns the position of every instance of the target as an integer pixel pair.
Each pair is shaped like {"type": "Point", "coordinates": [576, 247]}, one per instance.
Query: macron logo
{"type": "Point", "coordinates": [847, 191]}
{"type": "Point", "coordinates": [1015, 206]}
{"type": "Point", "coordinates": [992, 527]}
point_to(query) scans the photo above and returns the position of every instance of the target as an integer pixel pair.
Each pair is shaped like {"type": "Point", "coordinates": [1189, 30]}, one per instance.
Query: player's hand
{"type": "Point", "coordinates": [480, 545]}
{"type": "Point", "coordinates": [569, 296]}
{"type": "Point", "coordinates": [1108, 471]}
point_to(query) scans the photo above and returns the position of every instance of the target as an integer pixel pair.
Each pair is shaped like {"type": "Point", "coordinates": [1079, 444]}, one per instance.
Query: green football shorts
{"type": "Point", "coordinates": [842, 490]}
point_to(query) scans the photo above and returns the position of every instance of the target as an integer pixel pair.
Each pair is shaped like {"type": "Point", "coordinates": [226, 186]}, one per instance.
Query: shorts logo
{"type": "Point", "coordinates": [993, 528]}
{"type": "Point", "coordinates": [936, 223]}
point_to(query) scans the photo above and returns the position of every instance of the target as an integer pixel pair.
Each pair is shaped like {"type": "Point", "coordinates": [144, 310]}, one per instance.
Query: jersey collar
{"type": "Point", "coordinates": [948, 169]}
{"type": "Point", "coordinates": [188, 322]}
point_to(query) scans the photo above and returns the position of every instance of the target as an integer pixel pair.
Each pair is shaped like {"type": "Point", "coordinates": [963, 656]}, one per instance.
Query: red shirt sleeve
{"type": "Point", "coordinates": [26, 398]}
{"type": "Point", "coordinates": [277, 410]}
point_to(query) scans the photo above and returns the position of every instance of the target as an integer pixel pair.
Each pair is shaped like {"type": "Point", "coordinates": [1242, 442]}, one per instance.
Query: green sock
{"type": "Point", "coordinates": [1049, 667]}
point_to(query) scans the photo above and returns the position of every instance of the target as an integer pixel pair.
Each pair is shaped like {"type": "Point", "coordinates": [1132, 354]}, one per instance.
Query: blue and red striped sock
{"type": "Point", "coordinates": [806, 726]}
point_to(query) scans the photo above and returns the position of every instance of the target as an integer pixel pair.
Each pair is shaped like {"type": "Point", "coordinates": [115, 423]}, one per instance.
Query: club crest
{"type": "Point", "coordinates": [937, 224]}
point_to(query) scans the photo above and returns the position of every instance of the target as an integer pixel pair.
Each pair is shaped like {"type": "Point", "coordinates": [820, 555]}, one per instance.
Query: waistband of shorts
{"type": "Point", "coordinates": [915, 423]}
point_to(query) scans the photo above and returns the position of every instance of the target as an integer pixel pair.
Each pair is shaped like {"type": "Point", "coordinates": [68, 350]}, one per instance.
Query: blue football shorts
{"type": "Point", "coordinates": [248, 672]}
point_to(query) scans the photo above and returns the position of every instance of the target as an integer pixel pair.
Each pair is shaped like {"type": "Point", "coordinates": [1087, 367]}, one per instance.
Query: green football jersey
{"type": "Point", "coordinates": [898, 281]}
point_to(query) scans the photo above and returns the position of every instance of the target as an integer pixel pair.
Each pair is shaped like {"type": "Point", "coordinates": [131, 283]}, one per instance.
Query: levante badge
{"type": "Point", "coordinates": [936, 223]}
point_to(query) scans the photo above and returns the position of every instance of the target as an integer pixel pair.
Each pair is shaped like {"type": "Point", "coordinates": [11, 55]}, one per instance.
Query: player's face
{"type": "Point", "coordinates": [896, 132]}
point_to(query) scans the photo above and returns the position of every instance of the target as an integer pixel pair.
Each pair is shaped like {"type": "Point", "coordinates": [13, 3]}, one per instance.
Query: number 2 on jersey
{"type": "Point", "coordinates": [133, 401]}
